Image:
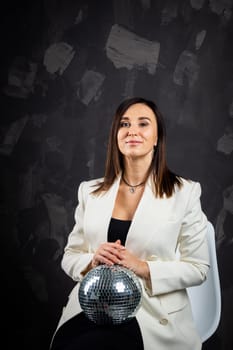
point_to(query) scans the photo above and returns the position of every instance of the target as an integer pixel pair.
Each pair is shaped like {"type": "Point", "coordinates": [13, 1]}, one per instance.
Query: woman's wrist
{"type": "Point", "coordinates": [87, 269]}
{"type": "Point", "coordinates": [143, 270]}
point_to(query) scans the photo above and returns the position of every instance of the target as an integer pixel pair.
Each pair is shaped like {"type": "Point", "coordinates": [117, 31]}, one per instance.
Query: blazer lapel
{"type": "Point", "coordinates": [140, 229]}
{"type": "Point", "coordinates": [100, 210]}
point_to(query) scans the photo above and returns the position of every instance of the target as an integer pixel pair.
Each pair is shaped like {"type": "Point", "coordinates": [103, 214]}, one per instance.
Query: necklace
{"type": "Point", "coordinates": [132, 188]}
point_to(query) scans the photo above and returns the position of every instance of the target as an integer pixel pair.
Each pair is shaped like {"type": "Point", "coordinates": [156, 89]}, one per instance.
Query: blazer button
{"type": "Point", "coordinates": [163, 321]}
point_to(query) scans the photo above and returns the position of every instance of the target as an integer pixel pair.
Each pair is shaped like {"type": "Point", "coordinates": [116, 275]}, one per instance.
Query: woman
{"type": "Point", "coordinates": [138, 215]}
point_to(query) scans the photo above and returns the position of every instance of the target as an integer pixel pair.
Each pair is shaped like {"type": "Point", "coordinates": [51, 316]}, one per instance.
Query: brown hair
{"type": "Point", "coordinates": [164, 180]}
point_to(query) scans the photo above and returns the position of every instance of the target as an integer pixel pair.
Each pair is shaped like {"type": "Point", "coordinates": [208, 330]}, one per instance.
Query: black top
{"type": "Point", "coordinates": [118, 229]}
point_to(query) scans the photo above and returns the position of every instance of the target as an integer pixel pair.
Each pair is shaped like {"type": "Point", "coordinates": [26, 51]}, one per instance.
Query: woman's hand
{"type": "Point", "coordinates": [138, 266]}
{"type": "Point", "coordinates": [114, 253]}
{"type": "Point", "coordinates": [108, 253]}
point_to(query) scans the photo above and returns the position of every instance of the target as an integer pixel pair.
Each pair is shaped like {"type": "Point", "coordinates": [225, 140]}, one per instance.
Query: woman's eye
{"type": "Point", "coordinates": [143, 124]}
{"type": "Point", "coordinates": [124, 124]}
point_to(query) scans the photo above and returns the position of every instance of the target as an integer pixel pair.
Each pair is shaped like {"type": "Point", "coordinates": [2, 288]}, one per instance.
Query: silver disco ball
{"type": "Point", "coordinates": [110, 294]}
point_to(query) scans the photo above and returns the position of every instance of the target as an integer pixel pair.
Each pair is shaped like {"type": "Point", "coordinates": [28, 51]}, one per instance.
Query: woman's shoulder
{"type": "Point", "coordinates": [189, 186]}
{"type": "Point", "coordinates": [89, 186]}
{"type": "Point", "coordinates": [92, 182]}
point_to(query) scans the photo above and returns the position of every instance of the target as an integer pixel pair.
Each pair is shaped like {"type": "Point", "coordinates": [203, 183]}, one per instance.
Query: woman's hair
{"type": "Point", "coordinates": [163, 179]}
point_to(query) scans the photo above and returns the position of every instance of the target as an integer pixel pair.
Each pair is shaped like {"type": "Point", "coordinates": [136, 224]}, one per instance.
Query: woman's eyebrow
{"type": "Point", "coordinates": [140, 118]}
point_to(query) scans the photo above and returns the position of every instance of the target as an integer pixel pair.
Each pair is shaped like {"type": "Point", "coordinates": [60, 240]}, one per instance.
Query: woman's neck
{"type": "Point", "coordinates": [135, 173]}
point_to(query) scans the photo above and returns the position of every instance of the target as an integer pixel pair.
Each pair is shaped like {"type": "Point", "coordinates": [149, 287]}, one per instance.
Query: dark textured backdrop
{"type": "Point", "coordinates": [65, 66]}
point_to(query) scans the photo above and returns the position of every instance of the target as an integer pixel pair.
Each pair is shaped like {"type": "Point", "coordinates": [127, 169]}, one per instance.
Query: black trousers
{"type": "Point", "coordinates": [81, 333]}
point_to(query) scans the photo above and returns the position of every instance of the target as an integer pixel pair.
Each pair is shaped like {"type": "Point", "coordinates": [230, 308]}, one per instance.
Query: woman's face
{"type": "Point", "coordinates": [138, 131]}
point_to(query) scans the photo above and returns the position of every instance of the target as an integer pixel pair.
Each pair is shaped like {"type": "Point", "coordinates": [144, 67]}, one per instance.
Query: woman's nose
{"type": "Point", "coordinates": [132, 131]}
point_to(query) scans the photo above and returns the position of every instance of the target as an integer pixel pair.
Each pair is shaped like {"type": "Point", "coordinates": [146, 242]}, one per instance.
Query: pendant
{"type": "Point", "coordinates": [131, 189]}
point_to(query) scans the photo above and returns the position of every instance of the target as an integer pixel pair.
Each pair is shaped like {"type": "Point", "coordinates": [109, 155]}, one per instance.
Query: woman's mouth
{"type": "Point", "coordinates": [133, 142]}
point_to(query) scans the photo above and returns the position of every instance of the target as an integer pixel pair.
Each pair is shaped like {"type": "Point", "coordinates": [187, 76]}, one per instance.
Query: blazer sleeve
{"type": "Point", "coordinates": [192, 266]}
{"type": "Point", "coordinates": [77, 255]}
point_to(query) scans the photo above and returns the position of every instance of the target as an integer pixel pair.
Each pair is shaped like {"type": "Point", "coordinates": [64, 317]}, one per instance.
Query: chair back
{"type": "Point", "coordinates": [206, 298]}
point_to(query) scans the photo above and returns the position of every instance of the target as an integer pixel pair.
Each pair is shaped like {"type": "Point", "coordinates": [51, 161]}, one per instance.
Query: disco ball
{"type": "Point", "coordinates": [110, 294]}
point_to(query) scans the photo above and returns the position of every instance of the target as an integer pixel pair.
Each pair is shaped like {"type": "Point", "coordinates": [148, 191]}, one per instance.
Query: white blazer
{"type": "Point", "coordinates": [159, 227]}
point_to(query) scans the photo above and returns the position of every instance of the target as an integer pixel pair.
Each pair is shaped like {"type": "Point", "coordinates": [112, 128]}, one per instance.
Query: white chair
{"type": "Point", "coordinates": [206, 298]}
